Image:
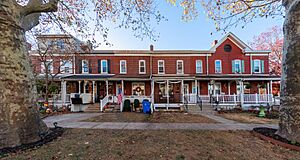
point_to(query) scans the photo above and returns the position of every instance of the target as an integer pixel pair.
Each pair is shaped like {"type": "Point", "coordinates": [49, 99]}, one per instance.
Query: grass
{"type": "Point", "coordinates": [88, 144]}
{"type": "Point", "coordinates": [157, 117]}
{"type": "Point", "coordinates": [245, 117]}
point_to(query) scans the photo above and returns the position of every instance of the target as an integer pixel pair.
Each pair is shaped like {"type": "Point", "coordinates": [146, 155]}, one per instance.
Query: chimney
{"type": "Point", "coordinates": [214, 43]}
{"type": "Point", "coordinates": [151, 47]}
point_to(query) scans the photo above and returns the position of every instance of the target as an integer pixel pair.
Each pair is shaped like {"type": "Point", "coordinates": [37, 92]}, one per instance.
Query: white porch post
{"type": "Point", "coordinates": [271, 87]}
{"type": "Point", "coordinates": [152, 92]}
{"type": "Point", "coordinates": [93, 92]}
{"type": "Point", "coordinates": [182, 91]}
{"type": "Point", "coordinates": [242, 92]}
{"type": "Point", "coordinates": [84, 85]}
{"type": "Point", "coordinates": [167, 94]}
{"type": "Point", "coordinates": [122, 82]}
{"type": "Point", "coordinates": [63, 91]}
{"type": "Point", "coordinates": [106, 87]}
{"type": "Point", "coordinates": [268, 91]}
{"type": "Point", "coordinates": [79, 89]}
{"type": "Point", "coordinates": [228, 88]}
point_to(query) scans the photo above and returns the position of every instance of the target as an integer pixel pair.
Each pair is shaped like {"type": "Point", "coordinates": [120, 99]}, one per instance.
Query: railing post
{"type": "Point", "coordinates": [101, 104]}
{"type": "Point", "coordinates": [234, 98]}
{"type": "Point", "coordinates": [242, 99]}
{"type": "Point", "coordinates": [217, 97]}
{"type": "Point", "coordinates": [256, 98]}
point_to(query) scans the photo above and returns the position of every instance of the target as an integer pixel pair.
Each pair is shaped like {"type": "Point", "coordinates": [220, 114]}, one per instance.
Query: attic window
{"type": "Point", "coordinates": [227, 48]}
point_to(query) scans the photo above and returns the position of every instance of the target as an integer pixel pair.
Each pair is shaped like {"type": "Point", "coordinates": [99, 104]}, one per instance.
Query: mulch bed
{"type": "Point", "coordinates": [270, 135]}
{"type": "Point", "coordinates": [269, 114]}
{"type": "Point", "coordinates": [52, 135]}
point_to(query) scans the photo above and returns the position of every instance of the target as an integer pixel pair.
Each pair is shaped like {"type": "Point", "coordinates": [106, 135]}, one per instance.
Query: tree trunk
{"type": "Point", "coordinates": [289, 126]}
{"type": "Point", "coordinates": [19, 120]}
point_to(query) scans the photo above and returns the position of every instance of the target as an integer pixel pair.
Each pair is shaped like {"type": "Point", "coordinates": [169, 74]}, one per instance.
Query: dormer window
{"type": "Point", "coordinates": [227, 48]}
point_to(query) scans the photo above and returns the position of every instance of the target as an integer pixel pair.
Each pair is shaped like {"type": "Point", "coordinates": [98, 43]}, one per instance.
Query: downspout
{"type": "Point", "coordinates": [206, 64]}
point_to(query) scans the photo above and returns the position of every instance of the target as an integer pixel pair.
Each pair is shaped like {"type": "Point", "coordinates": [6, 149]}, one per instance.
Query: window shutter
{"type": "Point", "coordinates": [243, 66]}
{"type": "Point", "coordinates": [233, 66]}
{"type": "Point", "coordinates": [262, 66]}
{"type": "Point", "coordinates": [252, 66]}
{"type": "Point", "coordinates": [80, 65]}
{"type": "Point", "coordinates": [90, 66]}
{"type": "Point", "coordinates": [108, 66]}
{"type": "Point", "coordinates": [99, 65]}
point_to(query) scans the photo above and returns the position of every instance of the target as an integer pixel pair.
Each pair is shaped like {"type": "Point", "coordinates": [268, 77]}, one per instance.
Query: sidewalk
{"type": "Point", "coordinates": [73, 121]}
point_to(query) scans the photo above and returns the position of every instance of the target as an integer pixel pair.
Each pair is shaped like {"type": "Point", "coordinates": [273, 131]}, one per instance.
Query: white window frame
{"type": "Point", "coordinates": [199, 62]}
{"type": "Point", "coordinates": [259, 65]}
{"type": "Point", "coordinates": [240, 64]}
{"type": "Point", "coordinates": [63, 66]}
{"type": "Point", "coordinates": [216, 66]}
{"type": "Point", "coordinates": [140, 72]}
{"type": "Point", "coordinates": [177, 68]}
{"type": "Point", "coordinates": [163, 66]}
{"type": "Point", "coordinates": [82, 65]}
{"type": "Point", "coordinates": [43, 69]}
{"type": "Point", "coordinates": [102, 66]}
{"type": "Point", "coordinates": [125, 69]}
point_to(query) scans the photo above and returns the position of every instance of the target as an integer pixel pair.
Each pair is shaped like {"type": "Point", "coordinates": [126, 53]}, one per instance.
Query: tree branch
{"type": "Point", "coordinates": [37, 6]}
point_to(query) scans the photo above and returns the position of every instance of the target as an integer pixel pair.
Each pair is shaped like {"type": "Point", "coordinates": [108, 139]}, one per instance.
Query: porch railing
{"type": "Point", "coordinates": [103, 102]}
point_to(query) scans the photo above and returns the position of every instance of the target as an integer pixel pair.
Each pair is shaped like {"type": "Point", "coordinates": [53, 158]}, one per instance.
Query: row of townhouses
{"type": "Point", "coordinates": [230, 72]}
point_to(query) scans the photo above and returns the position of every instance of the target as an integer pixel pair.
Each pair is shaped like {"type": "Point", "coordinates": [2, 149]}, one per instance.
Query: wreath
{"type": "Point", "coordinates": [138, 89]}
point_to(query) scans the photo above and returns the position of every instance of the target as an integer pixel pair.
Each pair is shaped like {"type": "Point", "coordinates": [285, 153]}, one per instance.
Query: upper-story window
{"type": "Point", "coordinates": [199, 66]}
{"type": "Point", "coordinates": [49, 43]}
{"type": "Point", "coordinates": [161, 66]}
{"type": "Point", "coordinates": [47, 64]}
{"type": "Point", "coordinates": [66, 66]}
{"type": "Point", "coordinates": [123, 67]}
{"type": "Point", "coordinates": [60, 44]}
{"type": "Point", "coordinates": [180, 67]}
{"type": "Point", "coordinates": [258, 66]}
{"type": "Point", "coordinates": [85, 66]}
{"type": "Point", "coordinates": [142, 67]}
{"type": "Point", "coordinates": [237, 66]}
{"type": "Point", "coordinates": [218, 66]}
{"type": "Point", "coordinates": [104, 68]}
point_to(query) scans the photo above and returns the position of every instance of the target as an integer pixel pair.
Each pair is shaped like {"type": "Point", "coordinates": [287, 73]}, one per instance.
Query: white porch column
{"type": "Point", "coordinates": [63, 91]}
{"type": "Point", "coordinates": [242, 92]}
{"type": "Point", "coordinates": [196, 85]}
{"type": "Point", "coordinates": [168, 95]}
{"type": "Point", "coordinates": [152, 92]}
{"type": "Point", "coordinates": [122, 82]}
{"type": "Point", "coordinates": [93, 92]}
{"type": "Point", "coordinates": [228, 88]}
{"type": "Point", "coordinates": [79, 89]}
{"type": "Point", "coordinates": [182, 91]}
{"type": "Point", "coordinates": [84, 85]}
{"type": "Point", "coordinates": [106, 87]}
{"type": "Point", "coordinates": [271, 87]}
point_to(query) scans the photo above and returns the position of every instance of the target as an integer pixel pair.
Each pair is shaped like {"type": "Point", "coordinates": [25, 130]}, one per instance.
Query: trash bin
{"type": "Point", "coordinates": [146, 107]}
{"type": "Point", "coordinates": [126, 107]}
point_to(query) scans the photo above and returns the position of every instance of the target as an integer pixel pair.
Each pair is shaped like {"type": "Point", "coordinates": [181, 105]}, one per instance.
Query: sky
{"type": "Point", "coordinates": [177, 34]}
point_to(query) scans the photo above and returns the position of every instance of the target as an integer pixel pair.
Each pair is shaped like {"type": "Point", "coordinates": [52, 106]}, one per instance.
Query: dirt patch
{"type": "Point", "coordinates": [157, 144]}
{"type": "Point", "coordinates": [157, 117]}
{"type": "Point", "coordinates": [245, 117]}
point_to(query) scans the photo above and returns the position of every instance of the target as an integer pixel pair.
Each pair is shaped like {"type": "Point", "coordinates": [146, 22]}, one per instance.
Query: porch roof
{"type": "Point", "coordinates": [238, 77]}
{"type": "Point", "coordinates": [87, 76]}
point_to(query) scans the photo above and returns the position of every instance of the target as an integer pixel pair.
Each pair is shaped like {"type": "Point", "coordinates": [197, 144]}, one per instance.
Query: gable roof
{"type": "Point", "coordinates": [232, 37]}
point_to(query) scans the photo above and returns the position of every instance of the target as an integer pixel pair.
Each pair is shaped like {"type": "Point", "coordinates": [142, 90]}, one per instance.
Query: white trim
{"type": "Point", "coordinates": [257, 54]}
{"type": "Point", "coordinates": [177, 70]}
{"type": "Point", "coordinates": [163, 62]}
{"type": "Point", "coordinates": [201, 66]}
{"type": "Point", "coordinates": [123, 61]}
{"type": "Point", "coordinates": [220, 66]}
{"type": "Point", "coordinates": [141, 66]}
{"type": "Point", "coordinates": [104, 60]}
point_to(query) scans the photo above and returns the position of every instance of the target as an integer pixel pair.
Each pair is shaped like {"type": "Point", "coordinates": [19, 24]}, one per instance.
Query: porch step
{"type": "Point", "coordinates": [112, 108]}
{"type": "Point", "coordinates": [92, 108]}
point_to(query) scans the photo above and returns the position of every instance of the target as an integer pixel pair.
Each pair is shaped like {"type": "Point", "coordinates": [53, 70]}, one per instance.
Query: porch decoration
{"type": "Point", "coordinates": [262, 112]}
{"type": "Point", "coordinates": [138, 89]}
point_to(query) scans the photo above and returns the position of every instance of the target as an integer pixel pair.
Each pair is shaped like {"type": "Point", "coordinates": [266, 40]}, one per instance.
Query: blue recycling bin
{"type": "Point", "coordinates": [146, 107]}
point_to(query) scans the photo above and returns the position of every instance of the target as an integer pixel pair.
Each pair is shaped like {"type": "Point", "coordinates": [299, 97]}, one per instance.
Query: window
{"type": "Point", "coordinates": [199, 66]}
{"type": "Point", "coordinates": [85, 66]}
{"type": "Point", "coordinates": [161, 66]}
{"type": "Point", "coordinates": [237, 66]}
{"type": "Point", "coordinates": [138, 89]}
{"type": "Point", "coordinates": [227, 48]}
{"type": "Point", "coordinates": [218, 66]}
{"type": "Point", "coordinates": [60, 44]}
{"type": "Point", "coordinates": [104, 66]}
{"type": "Point", "coordinates": [179, 66]}
{"type": "Point", "coordinates": [123, 67]}
{"type": "Point", "coordinates": [256, 66]}
{"type": "Point", "coordinates": [66, 66]}
{"type": "Point", "coordinates": [142, 67]}
{"type": "Point", "coordinates": [47, 64]}
{"type": "Point", "coordinates": [49, 43]}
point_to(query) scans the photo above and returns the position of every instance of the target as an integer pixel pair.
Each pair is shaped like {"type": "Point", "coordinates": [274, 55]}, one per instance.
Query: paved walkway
{"type": "Point", "coordinates": [74, 121]}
